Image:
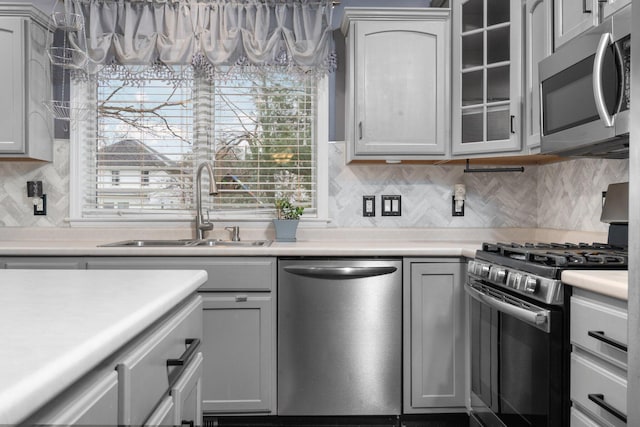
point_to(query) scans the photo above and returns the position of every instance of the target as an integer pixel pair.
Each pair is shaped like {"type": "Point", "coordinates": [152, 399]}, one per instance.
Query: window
{"type": "Point", "coordinates": [261, 131]}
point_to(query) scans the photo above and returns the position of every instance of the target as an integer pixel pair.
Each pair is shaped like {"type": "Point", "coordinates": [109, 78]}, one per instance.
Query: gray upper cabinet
{"type": "Point", "coordinates": [538, 42]}
{"type": "Point", "coordinates": [397, 84]}
{"type": "Point", "coordinates": [434, 328]}
{"type": "Point", "coordinates": [487, 77]}
{"type": "Point", "coordinates": [26, 128]}
{"type": "Point", "coordinates": [610, 7]}
{"type": "Point", "coordinates": [573, 17]}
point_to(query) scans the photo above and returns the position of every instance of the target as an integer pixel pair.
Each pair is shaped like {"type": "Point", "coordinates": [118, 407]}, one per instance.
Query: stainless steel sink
{"type": "Point", "coordinates": [186, 243]}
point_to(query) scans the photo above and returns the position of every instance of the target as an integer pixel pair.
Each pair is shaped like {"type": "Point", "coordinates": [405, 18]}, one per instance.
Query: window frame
{"type": "Point", "coordinates": [82, 123]}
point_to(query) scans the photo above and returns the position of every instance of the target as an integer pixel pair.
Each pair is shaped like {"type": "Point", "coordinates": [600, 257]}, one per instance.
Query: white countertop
{"type": "Point", "coordinates": [57, 325]}
{"type": "Point", "coordinates": [300, 248]}
{"type": "Point", "coordinates": [613, 283]}
{"type": "Point", "coordinates": [78, 241]}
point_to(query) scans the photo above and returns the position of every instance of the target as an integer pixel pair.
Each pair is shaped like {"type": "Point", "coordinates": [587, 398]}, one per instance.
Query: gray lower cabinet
{"type": "Point", "coordinates": [239, 345]}
{"type": "Point", "coordinates": [598, 360]}
{"type": "Point", "coordinates": [239, 329]}
{"type": "Point", "coordinates": [434, 324]}
{"type": "Point", "coordinates": [133, 387]}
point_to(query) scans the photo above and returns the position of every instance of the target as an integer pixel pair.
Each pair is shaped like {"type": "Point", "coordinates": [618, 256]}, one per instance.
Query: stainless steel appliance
{"type": "Point", "coordinates": [585, 92]}
{"type": "Point", "coordinates": [519, 335]}
{"type": "Point", "coordinates": [339, 337]}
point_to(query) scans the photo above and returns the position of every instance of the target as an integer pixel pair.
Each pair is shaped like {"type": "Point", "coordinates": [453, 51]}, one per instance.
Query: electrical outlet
{"type": "Point", "coordinates": [391, 205]}
{"type": "Point", "coordinates": [368, 205]}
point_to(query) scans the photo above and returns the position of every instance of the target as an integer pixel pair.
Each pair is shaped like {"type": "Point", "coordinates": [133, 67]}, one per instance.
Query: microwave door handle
{"type": "Point", "coordinates": [598, 93]}
{"type": "Point", "coordinates": [537, 319]}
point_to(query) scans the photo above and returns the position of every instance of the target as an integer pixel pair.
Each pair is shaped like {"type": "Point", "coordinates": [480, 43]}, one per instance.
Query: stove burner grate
{"type": "Point", "coordinates": [562, 255]}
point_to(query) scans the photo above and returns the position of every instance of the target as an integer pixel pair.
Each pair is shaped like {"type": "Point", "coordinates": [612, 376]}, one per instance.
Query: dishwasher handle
{"type": "Point", "coordinates": [331, 272]}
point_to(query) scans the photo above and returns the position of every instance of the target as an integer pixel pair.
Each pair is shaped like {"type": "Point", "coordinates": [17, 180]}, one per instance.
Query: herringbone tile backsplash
{"type": "Point", "coordinates": [563, 195]}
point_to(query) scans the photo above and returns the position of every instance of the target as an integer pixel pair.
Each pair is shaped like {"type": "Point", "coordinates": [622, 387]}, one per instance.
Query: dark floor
{"type": "Point", "coordinates": [436, 420]}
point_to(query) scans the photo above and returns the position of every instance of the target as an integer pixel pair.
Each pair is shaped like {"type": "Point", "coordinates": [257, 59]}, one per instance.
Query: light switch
{"type": "Point", "coordinates": [368, 205]}
{"type": "Point", "coordinates": [391, 205]}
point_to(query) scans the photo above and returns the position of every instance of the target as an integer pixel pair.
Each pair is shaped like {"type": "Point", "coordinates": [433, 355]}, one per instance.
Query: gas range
{"type": "Point", "coordinates": [534, 269]}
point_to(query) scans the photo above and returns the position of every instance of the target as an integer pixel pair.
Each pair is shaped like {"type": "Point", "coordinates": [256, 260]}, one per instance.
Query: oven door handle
{"type": "Point", "coordinates": [537, 319]}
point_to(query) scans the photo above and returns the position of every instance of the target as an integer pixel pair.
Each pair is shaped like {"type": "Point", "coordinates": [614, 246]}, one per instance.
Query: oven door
{"type": "Point", "coordinates": [517, 360]}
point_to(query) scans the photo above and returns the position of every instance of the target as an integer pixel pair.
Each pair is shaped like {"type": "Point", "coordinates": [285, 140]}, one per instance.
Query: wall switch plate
{"type": "Point", "coordinates": [368, 205]}
{"type": "Point", "coordinates": [391, 206]}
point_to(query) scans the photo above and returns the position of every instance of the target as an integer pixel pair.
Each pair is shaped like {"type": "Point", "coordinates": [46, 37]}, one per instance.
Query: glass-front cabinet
{"type": "Point", "coordinates": [487, 76]}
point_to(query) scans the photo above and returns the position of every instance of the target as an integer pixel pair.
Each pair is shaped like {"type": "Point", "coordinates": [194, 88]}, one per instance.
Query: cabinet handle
{"type": "Point", "coordinates": [584, 6]}
{"type": "Point", "coordinates": [360, 130]}
{"type": "Point", "coordinates": [511, 124]}
{"type": "Point", "coordinates": [189, 423]}
{"type": "Point", "coordinates": [600, 336]}
{"type": "Point", "coordinates": [598, 399]}
{"type": "Point", "coordinates": [192, 346]}
{"type": "Point", "coordinates": [241, 298]}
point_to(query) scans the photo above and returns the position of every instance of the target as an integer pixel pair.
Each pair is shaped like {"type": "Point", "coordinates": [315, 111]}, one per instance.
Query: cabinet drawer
{"type": "Point", "coordinates": [144, 375]}
{"type": "Point", "coordinates": [237, 274]}
{"type": "Point", "coordinates": [579, 419]}
{"type": "Point", "coordinates": [93, 402]}
{"type": "Point", "coordinates": [594, 324]}
{"type": "Point", "coordinates": [187, 394]}
{"type": "Point", "coordinates": [593, 377]}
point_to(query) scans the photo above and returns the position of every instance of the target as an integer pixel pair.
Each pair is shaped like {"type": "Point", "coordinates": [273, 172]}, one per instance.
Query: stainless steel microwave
{"type": "Point", "coordinates": [585, 93]}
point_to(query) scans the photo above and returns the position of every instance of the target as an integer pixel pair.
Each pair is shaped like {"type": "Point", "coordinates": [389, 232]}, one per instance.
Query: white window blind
{"type": "Point", "coordinates": [258, 130]}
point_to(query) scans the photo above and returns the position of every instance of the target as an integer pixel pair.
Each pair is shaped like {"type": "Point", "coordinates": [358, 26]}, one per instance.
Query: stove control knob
{"type": "Point", "coordinates": [513, 280]}
{"type": "Point", "coordinates": [501, 275]}
{"type": "Point", "coordinates": [484, 270]}
{"type": "Point", "coordinates": [530, 285]}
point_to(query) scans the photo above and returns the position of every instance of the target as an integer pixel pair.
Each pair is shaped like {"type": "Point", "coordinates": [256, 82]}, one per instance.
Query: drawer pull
{"type": "Point", "coordinates": [192, 346]}
{"type": "Point", "coordinates": [600, 336]}
{"type": "Point", "coordinates": [241, 298]}
{"type": "Point", "coordinates": [598, 399]}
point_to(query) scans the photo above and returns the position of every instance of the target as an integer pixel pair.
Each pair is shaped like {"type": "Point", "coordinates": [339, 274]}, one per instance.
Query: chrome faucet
{"type": "Point", "coordinates": [201, 225]}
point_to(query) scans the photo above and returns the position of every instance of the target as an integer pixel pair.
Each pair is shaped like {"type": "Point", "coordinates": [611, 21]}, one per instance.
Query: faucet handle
{"type": "Point", "coordinates": [235, 233]}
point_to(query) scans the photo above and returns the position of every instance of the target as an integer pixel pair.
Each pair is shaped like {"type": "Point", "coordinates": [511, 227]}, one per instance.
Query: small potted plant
{"type": "Point", "coordinates": [288, 217]}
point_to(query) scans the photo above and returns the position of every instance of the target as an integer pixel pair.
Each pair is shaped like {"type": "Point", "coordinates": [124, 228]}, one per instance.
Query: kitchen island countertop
{"type": "Point", "coordinates": [57, 325]}
{"type": "Point", "coordinates": [613, 283]}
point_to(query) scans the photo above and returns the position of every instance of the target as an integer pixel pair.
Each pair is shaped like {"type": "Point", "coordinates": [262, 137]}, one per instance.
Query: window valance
{"type": "Point", "coordinates": [290, 34]}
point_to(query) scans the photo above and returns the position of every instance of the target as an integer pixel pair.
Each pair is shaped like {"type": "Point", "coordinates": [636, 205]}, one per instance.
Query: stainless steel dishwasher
{"type": "Point", "coordinates": [339, 337]}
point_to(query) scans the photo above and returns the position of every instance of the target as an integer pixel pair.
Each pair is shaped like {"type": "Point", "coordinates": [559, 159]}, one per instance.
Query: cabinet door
{"type": "Point", "coordinates": [434, 336]}
{"type": "Point", "coordinates": [487, 76]}
{"type": "Point", "coordinates": [44, 263]}
{"type": "Point", "coordinates": [538, 43]}
{"type": "Point", "coordinates": [187, 395]}
{"type": "Point", "coordinates": [610, 7]}
{"type": "Point", "coordinates": [239, 353]}
{"type": "Point", "coordinates": [400, 78]}
{"type": "Point", "coordinates": [12, 89]}
{"type": "Point", "coordinates": [573, 17]}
